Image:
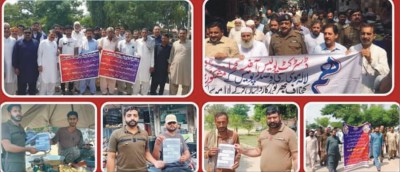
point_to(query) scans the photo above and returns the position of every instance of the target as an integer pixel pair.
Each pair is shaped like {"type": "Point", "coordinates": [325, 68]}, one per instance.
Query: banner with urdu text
{"type": "Point", "coordinates": [300, 74]}
{"type": "Point", "coordinates": [84, 66]}
{"type": "Point", "coordinates": [119, 66]}
{"type": "Point", "coordinates": [356, 146]}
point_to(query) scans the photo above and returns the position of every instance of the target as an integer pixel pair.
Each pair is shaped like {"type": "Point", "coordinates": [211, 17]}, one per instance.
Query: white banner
{"type": "Point", "coordinates": [301, 74]}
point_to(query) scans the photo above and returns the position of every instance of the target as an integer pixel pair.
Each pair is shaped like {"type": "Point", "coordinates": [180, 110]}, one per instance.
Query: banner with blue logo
{"type": "Point", "coordinates": [356, 146]}
{"type": "Point", "coordinates": [300, 74]}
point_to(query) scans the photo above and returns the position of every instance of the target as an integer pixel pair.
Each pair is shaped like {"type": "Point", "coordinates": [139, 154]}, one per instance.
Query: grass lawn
{"type": "Point", "coordinates": [250, 140]}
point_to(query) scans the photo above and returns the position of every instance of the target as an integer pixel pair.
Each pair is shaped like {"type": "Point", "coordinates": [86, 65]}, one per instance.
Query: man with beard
{"type": "Point", "coordinates": [311, 149]}
{"type": "Point", "coordinates": [350, 35]}
{"type": "Point", "coordinates": [376, 144]}
{"type": "Point", "coordinates": [110, 43]}
{"type": "Point", "coordinates": [70, 141]}
{"type": "Point", "coordinates": [249, 47]}
{"type": "Point", "coordinates": [322, 145]}
{"type": "Point", "coordinates": [10, 79]}
{"type": "Point", "coordinates": [277, 145]}
{"type": "Point", "coordinates": [287, 41]}
{"type": "Point", "coordinates": [131, 144]}
{"type": "Point", "coordinates": [219, 46]}
{"type": "Point", "coordinates": [342, 21]}
{"type": "Point", "coordinates": [24, 61]}
{"type": "Point", "coordinates": [315, 37]}
{"type": "Point", "coordinates": [222, 135]}
{"type": "Point", "coordinates": [235, 32]}
{"type": "Point", "coordinates": [330, 45]}
{"type": "Point", "coordinates": [332, 149]}
{"type": "Point", "coordinates": [88, 45]}
{"type": "Point", "coordinates": [97, 33]}
{"type": "Point", "coordinates": [274, 28]}
{"type": "Point", "coordinates": [329, 18]}
{"type": "Point", "coordinates": [68, 45]}
{"type": "Point", "coordinates": [258, 35]}
{"type": "Point", "coordinates": [36, 34]}
{"type": "Point", "coordinates": [129, 47]}
{"type": "Point", "coordinates": [160, 75]}
{"type": "Point", "coordinates": [171, 133]}
{"type": "Point", "coordinates": [145, 49]}
{"type": "Point", "coordinates": [48, 64]}
{"type": "Point", "coordinates": [13, 141]}
{"type": "Point", "coordinates": [374, 60]}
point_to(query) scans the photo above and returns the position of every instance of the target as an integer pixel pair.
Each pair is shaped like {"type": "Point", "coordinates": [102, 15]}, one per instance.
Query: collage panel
{"type": "Point", "coordinates": [48, 137]}
{"type": "Point", "coordinates": [97, 48]}
{"type": "Point", "coordinates": [250, 136]}
{"type": "Point", "coordinates": [262, 47]}
{"type": "Point", "coordinates": [356, 136]}
{"type": "Point", "coordinates": [150, 137]}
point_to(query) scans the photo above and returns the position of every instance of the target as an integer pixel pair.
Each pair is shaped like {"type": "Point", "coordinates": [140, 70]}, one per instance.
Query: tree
{"type": "Point", "coordinates": [337, 124]}
{"type": "Point", "coordinates": [322, 121]}
{"type": "Point", "coordinates": [248, 125]}
{"type": "Point", "coordinates": [240, 109]}
{"type": "Point", "coordinates": [312, 126]}
{"type": "Point", "coordinates": [235, 121]}
{"type": "Point", "coordinates": [288, 111]}
{"type": "Point", "coordinates": [210, 111]}
{"type": "Point", "coordinates": [351, 113]}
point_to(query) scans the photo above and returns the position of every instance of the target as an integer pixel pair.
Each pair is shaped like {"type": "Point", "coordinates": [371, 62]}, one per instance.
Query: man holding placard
{"type": "Point", "coordinates": [168, 144]}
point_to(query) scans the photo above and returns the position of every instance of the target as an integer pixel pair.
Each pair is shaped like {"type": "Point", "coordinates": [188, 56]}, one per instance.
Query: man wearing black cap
{"type": "Point", "coordinates": [277, 145]}
{"type": "Point", "coordinates": [287, 41]}
{"type": "Point", "coordinates": [351, 33]}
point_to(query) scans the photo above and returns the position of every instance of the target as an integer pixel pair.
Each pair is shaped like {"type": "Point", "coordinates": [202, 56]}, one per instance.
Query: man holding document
{"type": "Point", "coordinates": [167, 145]}
{"type": "Point", "coordinates": [219, 151]}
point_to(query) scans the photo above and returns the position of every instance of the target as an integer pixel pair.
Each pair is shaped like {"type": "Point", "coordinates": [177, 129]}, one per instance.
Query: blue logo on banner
{"type": "Point", "coordinates": [328, 68]}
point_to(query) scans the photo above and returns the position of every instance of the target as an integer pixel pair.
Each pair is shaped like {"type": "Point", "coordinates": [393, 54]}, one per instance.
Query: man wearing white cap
{"type": "Point", "coordinates": [235, 32]}
{"type": "Point", "coordinates": [171, 124]}
{"type": "Point", "coordinates": [249, 47]}
{"type": "Point", "coordinates": [258, 35]}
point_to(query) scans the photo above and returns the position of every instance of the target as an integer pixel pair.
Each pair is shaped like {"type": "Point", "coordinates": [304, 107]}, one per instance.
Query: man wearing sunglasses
{"type": "Point", "coordinates": [24, 61]}
{"type": "Point", "coordinates": [171, 126]}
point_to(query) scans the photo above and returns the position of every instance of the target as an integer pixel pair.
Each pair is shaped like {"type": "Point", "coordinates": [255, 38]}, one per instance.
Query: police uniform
{"type": "Point", "coordinates": [291, 44]}
{"type": "Point", "coordinates": [13, 162]}
{"type": "Point", "coordinates": [350, 36]}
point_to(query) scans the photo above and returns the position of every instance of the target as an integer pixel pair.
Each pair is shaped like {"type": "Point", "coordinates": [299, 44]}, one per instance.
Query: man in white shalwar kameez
{"type": "Point", "coordinates": [145, 49]}
{"type": "Point", "coordinates": [180, 66]}
{"type": "Point", "coordinates": [374, 60]}
{"type": "Point", "coordinates": [48, 64]}
{"type": "Point", "coordinates": [235, 32]}
{"type": "Point", "coordinates": [107, 85]}
{"type": "Point", "coordinates": [249, 47]}
{"type": "Point", "coordinates": [311, 149]}
{"type": "Point", "coordinates": [10, 78]}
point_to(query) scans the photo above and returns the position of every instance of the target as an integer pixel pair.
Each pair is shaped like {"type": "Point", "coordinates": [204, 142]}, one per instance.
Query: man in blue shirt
{"type": "Point", "coordinates": [330, 45]}
{"type": "Point", "coordinates": [376, 142]}
{"type": "Point", "coordinates": [88, 45]}
{"type": "Point", "coordinates": [24, 61]}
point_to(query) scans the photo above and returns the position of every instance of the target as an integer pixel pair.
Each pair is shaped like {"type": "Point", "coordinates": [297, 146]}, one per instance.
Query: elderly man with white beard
{"type": "Point", "coordinates": [249, 47]}
{"type": "Point", "coordinates": [235, 32]}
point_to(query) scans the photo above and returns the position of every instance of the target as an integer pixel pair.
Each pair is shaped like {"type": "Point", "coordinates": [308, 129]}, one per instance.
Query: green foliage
{"type": "Point", "coordinates": [338, 124]}
{"type": "Point", "coordinates": [240, 109]}
{"type": "Point", "coordinates": [248, 125]}
{"type": "Point", "coordinates": [210, 111]}
{"type": "Point", "coordinates": [312, 126]}
{"type": "Point", "coordinates": [209, 121]}
{"type": "Point", "coordinates": [235, 121]}
{"type": "Point", "coordinates": [288, 111]}
{"type": "Point", "coordinates": [322, 121]}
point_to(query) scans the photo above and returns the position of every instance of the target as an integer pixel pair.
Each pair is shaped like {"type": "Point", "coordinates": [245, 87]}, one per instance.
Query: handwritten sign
{"type": "Point", "coordinates": [301, 74]}
{"type": "Point", "coordinates": [356, 146]}
{"type": "Point", "coordinates": [171, 150]}
{"type": "Point", "coordinates": [85, 66]}
{"type": "Point", "coordinates": [226, 156]}
{"type": "Point", "coordinates": [119, 66]}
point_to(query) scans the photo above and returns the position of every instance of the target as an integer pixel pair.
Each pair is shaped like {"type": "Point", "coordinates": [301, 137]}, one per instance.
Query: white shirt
{"type": "Point", "coordinates": [129, 48]}
{"type": "Point", "coordinates": [259, 36]}
{"type": "Point", "coordinates": [258, 49]}
{"type": "Point", "coordinates": [235, 35]}
{"type": "Point", "coordinates": [78, 37]}
{"type": "Point", "coordinates": [108, 44]}
{"type": "Point", "coordinates": [374, 72]}
{"type": "Point", "coordinates": [10, 76]}
{"type": "Point", "coordinates": [68, 45]}
{"type": "Point", "coordinates": [312, 41]}
{"type": "Point", "coordinates": [145, 50]}
{"type": "Point", "coordinates": [311, 145]}
{"type": "Point", "coordinates": [267, 40]}
{"type": "Point", "coordinates": [48, 59]}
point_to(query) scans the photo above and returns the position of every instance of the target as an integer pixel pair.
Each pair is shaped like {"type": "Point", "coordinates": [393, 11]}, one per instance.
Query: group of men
{"type": "Point", "coordinates": [69, 139]}
{"type": "Point", "coordinates": [129, 150]}
{"type": "Point", "coordinates": [291, 34]}
{"type": "Point", "coordinates": [327, 146]}
{"type": "Point", "coordinates": [277, 145]}
{"type": "Point", "coordinates": [31, 61]}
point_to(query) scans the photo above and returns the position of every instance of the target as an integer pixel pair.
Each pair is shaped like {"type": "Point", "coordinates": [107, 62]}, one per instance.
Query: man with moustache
{"type": "Point", "coordinates": [374, 60]}
{"type": "Point", "coordinates": [376, 144]}
{"type": "Point", "coordinates": [171, 124]}
{"type": "Point", "coordinates": [311, 149]}
{"type": "Point", "coordinates": [277, 145]}
{"type": "Point", "coordinates": [13, 139]}
{"type": "Point", "coordinates": [273, 28]}
{"type": "Point", "coordinates": [249, 47]}
{"type": "Point", "coordinates": [287, 41]}
{"type": "Point", "coordinates": [70, 141]}
{"type": "Point", "coordinates": [219, 46]}
{"type": "Point", "coordinates": [350, 35]}
{"type": "Point", "coordinates": [10, 79]}
{"type": "Point", "coordinates": [235, 32]}
{"type": "Point", "coordinates": [145, 49]}
{"type": "Point", "coordinates": [68, 45]}
{"type": "Point", "coordinates": [110, 43]}
{"type": "Point", "coordinates": [322, 145]}
{"type": "Point", "coordinates": [160, 75]}
{"type": "Point", "coordinates": [129, 47]}
{"type": "Point", "coordinates": [24, 61]}
{"type": "Point", "coordinates": [332, 149]}
{"type": "Point", "coordinates": [342, 21]}
{"type": "Point", "coordinates": [222, 135]}
{"type": "Point", "coordinates": [330, 45]}
{"type": "Point", "coordinates": [48, 64]}
{"type": "Point", "coordinates": [258, 35]}
{"type": "Point", "coordinates": [131, 144]}
{"type": "Point", "coordinates": [36, 34]}
{"type": "Point", "coordinates": [157, 35]}
{"type": "Point", "coordinates": [315, 37]}
{"type": "Point", "coordinates": [88, 45]}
